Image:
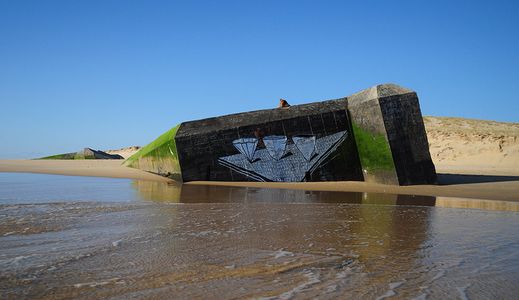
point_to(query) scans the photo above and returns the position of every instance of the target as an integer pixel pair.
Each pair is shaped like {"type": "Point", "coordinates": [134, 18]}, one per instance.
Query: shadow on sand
{"type": "Point", "coordinates": [450, 179]}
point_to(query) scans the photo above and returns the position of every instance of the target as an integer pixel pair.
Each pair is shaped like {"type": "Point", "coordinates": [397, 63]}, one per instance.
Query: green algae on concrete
{"type": "Point", "coordinates": [86, 153]}
{"type": "Point", "coordinates": [159, 156]}
{"type": "Point", "coordinates": [375, 156]}
{"type": "Point", "coordinates": [373, 149]}
{"type": "Point", "coordinates": [70, 156]}
{"type": "Point", "coordinates": [81, 155]}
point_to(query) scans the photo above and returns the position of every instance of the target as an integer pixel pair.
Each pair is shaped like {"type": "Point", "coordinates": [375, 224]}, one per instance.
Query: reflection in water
{"type": "Point", "coordinates": [215, 242]}
{"type": "Point", "coordinates": [476, 204]}
{"type": "Point", "coordinates": [178, 193]}
{"type": "Point", "coordinates": [157, 191]}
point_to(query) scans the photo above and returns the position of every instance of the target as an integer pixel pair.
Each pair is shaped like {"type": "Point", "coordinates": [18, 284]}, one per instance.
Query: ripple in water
{"type": "Point", "coordinates": [200, 242]}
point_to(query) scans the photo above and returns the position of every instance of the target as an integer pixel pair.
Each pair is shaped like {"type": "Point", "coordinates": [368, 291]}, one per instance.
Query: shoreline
{"type": "Point", "coordinates": [489, 184]}
{"type": "Point", "coordinates": [94, 168]}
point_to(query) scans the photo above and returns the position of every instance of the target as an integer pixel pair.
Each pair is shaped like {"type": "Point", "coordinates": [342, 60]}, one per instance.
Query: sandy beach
{"type": "Point", "coordinates": [97, 168]}
{"type": "Point", "coordinates": [473, 159]}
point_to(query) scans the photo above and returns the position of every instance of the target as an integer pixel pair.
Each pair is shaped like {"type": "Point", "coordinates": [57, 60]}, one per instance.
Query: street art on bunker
{"type": "Point", "coordinates": [276, 145]}
{"type": "Point", "coordinates": [279, 160]}
{"type": "Point", "coordinates": [385, 143]}
{"type": "Point", "coordinates": [247, 147]}
{"type": "Point", "coordinates": [306, 145]}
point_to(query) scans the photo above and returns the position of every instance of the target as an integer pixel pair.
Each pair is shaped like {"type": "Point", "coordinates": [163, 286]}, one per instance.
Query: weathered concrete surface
{"type": "Point", "coordinates": [375, 135]}
{"type": "Point", "coordinates": [88, 153]}
{"type": "Point", "coordinates": [390, 136]}
{"type": "Point", "coordinates": [159, 157]}
{"type": "Point", "coordinates": [203, 144]}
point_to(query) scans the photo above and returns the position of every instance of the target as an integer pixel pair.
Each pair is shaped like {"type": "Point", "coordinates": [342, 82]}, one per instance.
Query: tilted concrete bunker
{"type": "Point", "coordinates": [376, 135]}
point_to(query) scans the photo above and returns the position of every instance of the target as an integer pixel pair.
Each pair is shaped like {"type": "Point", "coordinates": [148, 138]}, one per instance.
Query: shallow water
{"type": "Point", "coordinates": [90, 238]}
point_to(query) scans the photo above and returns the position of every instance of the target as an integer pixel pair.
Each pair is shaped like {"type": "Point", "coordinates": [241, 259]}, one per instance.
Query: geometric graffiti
{"type": "Point", "coordinates": [386, 143]}
{"type": "Point", "coordinates": [305, 144]}
{"type": "Point", "coordinates": [281, 161]}
{"type": "Point", "coordinates": [276, 145]}
{"type": "Point", "coordinates": [247, 147]}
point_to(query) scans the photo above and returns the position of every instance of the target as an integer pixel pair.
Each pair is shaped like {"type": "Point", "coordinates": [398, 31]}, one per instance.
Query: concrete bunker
{"type": "Point", "coordinates": [376, 135]}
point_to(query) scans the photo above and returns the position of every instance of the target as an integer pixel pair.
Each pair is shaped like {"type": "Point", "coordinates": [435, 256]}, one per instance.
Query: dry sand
{"type": "Point", "coordinates": [473, 158]}
{"type": "Point", "coordinates": [470, 145]}
{"type": "Point", "coordinates": [88, 167]}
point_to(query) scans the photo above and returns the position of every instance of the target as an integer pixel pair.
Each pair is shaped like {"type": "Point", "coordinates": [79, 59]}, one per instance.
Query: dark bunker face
{"type": "Point", "coordinates": [311, 142]}
{"type": "Point", "coordinates": [376, 135]}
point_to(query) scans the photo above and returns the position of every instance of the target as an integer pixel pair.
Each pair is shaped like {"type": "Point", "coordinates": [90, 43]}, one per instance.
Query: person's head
{"type": "Point", "coordinates": [283, 103]}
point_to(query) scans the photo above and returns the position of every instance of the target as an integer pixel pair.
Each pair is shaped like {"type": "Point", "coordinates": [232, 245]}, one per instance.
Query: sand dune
{"type": "Point", "coordinates": [487, 147]}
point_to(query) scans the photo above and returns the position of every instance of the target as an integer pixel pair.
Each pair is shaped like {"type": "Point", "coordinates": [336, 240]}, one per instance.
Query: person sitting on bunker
{"type": "Point", "coordinates": [283, 103]}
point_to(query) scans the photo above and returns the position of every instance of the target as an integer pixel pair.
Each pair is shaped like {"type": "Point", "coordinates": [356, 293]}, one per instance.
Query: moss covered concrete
{"type": "Point", "coordinates": [65, 156]}
{"type": "Point", "coordinates": [373, 149]}
{"type": "Point", "coordinates": [159, 156]}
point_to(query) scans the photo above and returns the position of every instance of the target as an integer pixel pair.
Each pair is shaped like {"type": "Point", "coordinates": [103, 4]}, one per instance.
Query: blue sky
{"type": "Point", "coordinates": [108, 74]}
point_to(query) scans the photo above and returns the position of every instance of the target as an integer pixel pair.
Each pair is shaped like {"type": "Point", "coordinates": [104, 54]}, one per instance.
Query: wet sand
{"type": "Point", "coordinates": [492, 187]}
{"type": "Point", "coordinates": [188, 241]}
{"type": "Point", "coordinates": [453, 182]}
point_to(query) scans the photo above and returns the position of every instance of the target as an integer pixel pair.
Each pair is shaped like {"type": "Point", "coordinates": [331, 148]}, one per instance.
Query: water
{"type": "Point", "coordinates": [91, 238]}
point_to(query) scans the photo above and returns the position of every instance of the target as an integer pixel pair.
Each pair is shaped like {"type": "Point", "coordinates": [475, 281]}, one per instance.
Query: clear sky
{"type": "Point", "coordinates": [108, 74]}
